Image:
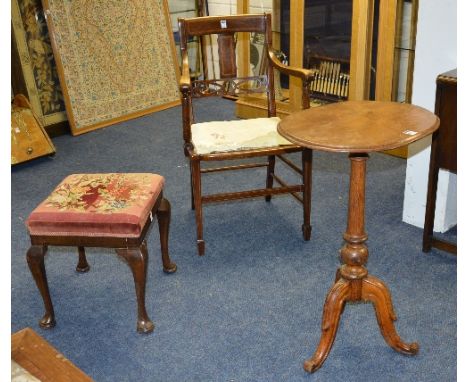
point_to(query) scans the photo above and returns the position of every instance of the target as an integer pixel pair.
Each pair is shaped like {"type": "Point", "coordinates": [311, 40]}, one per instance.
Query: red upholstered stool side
{"type": "Point", "coordinates": [101, 210]}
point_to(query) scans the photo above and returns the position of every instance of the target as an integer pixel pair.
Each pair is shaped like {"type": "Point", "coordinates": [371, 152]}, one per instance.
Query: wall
{"type": "Point", "coordinates": [222, 7]}
{"type": "Point", "coordinates": [436, 52]}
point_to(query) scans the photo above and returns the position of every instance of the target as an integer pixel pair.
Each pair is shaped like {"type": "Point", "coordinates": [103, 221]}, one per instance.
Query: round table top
{"type": "Point", "coordinates": [358, 126]}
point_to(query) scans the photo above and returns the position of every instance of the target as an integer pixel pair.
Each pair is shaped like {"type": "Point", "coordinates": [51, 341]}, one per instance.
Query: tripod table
{"type": "Point", "coordinates": [357, 127]}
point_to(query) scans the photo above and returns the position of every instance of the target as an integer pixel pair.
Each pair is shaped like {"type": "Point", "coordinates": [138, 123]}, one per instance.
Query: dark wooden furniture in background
{"type": "Point", "coordinates": [18, 86]}
{"type": "Point", "coordinates": [29, 140]}
{"type": "Point", "coordinates": [42, 360]}
{"type": "Point", "coordinates": [357, 127]}
{"type": "Point", "coordinates": [443, 154]}
{"type": "Point", "coordinates": [331, 82]}
{"type": "Point", "coordinates": [133, 250]}
{"type": "Point", "coordinates": [33, 68]}
{"type": "Point", "coordinates": [233, 83]}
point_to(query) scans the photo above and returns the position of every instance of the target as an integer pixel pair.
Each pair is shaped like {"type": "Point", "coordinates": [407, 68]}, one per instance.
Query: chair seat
{"type": "Point", "coordinates": [226, 136]}
{"type": "Point", "coordinates": [114, 205]}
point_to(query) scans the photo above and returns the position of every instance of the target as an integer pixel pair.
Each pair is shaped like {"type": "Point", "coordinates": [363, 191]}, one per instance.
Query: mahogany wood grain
{"type": "Point", "coordinates": [226, 27]}
{"type": "Point", "coordinates": [357, 127]}
{"type": "Point", "coordinates": [227, 55]}
{"type": "Point", "coordinates": [35, 258]}
{"type": "Point", "coordinates": [443, 155]}
{"type": "Point", "coordinates": [137, 260]}
{"type": "Point", "coordinates": [199, 26]}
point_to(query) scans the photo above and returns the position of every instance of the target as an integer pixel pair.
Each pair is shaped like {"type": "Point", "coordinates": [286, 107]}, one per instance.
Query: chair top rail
{"type": "Point", "coordinates": [199, 26]}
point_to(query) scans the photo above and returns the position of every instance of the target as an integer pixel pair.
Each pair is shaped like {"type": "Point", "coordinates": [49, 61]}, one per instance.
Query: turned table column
{"type": "Point", "coordinates": [352, 281]}
{"type": "Point", "coordinates": [357, 127]}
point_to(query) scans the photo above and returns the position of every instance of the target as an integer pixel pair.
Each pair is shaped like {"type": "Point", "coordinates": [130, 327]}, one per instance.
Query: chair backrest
{"type": "Point", "coordinates": [229, 82]}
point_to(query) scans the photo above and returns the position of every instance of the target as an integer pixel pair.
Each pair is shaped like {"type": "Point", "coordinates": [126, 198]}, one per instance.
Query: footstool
{"type": "Point", "coordinates": [112, 210]}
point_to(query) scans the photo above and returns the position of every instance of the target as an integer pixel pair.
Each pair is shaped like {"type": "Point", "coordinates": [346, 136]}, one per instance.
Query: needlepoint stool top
{"type": "Point", "coordinates": [114, 205]}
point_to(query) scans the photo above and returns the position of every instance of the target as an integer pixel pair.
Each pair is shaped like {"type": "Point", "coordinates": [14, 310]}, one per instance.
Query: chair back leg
{"type": "Point", "coordinates": [270, 173]}
{"type": "Point", "coordinates": [307, 193]}
{"type": "Point", "coordinates": [191, 188]}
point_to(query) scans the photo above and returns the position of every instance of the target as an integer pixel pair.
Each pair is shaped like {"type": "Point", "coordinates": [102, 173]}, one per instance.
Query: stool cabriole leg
{"type": "Point", "coordinates": [35, 258]}
{"type": "Point", "coordinates": [82, 265]}
{"type": "Point", "coordinates": [137, 260]}
{"type": "Point", "coordinates": [164, 219]}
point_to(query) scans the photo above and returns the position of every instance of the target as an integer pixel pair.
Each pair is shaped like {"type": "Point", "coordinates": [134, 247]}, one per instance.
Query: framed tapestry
{"type": "Point", "coordinates": [34, 71]}
{"type": "Point", "coordinates": [116, 59]}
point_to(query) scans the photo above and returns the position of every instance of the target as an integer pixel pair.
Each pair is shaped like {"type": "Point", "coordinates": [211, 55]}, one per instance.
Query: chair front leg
{"type": "Point", "coordinates": [196, 177]}
{"type": "Point", "coordinates": [270, 173]}
{"type": "Point", "coordinates": [191, 187]}
{"type": "Point", "coordinates": [164, 218]}
{"type": "Point", "coordinates": [35, 258]}
{"type": "Point", "coordinates": [137, 260]}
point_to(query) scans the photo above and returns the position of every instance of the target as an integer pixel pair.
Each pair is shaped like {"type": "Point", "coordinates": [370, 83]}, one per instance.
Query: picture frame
{"type": "Point", "coordinates": [116, 60]}
{"type": "Point", "coordinates": [34, 71]}
{"type": "Point", "coordinates": [29, 140]}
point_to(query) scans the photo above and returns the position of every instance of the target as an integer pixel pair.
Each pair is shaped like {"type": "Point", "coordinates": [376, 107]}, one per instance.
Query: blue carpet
{"type": "Point", "coordinates": [251, 309]}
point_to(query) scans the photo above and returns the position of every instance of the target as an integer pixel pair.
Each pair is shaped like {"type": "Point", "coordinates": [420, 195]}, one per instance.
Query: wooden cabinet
{"type": "Point", "coordinates": [33, 68]}
{"type": "Point", "coordinates": [443, 153]}
{"type": "Point", "coordinates": [375, 40]}
{"type": "Point", "coordinates": [29, 140]}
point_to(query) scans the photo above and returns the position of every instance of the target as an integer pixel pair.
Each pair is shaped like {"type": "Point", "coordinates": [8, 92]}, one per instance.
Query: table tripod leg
{"type": "Point", "coordinates": [376, 291]}
{"type": "Point", "coordinates": [334, 305]}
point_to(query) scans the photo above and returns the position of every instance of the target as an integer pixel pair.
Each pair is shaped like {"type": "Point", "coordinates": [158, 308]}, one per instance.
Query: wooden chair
{"type": "Point", "coordinates": [254, 137]}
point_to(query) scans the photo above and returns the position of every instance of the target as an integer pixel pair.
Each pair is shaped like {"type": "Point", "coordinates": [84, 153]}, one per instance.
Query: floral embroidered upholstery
{"type": "Point", "coordinates": [223, 136]}
{"type": "Point", "coordinates": [114, 204]}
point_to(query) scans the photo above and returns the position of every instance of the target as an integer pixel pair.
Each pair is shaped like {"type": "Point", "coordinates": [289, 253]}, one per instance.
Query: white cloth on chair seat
{"type": "Point", "coordinates": [224, 136]}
